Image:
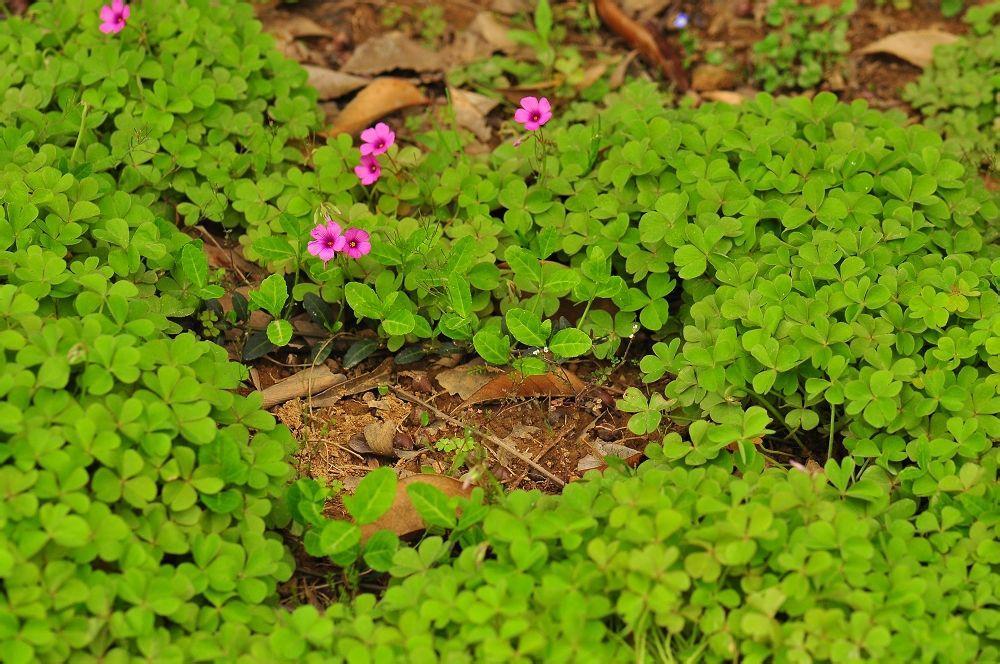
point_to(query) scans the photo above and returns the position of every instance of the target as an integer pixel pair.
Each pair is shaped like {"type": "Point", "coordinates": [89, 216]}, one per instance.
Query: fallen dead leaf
{"type": "Point", "coordinates": [511, 7]}
{"type": "Point", "coordinates": [471, 110]}
{"type": "Point", "coordinates": [380, 435]}
{"type": "Point", "coordinates": [305, 383]}
{"type": "Point", "coordinates": [464, 381]}
{"type": "Point", "coordinates": [380, 98]}
{"type": "Point", "coordinates": [368, 381]}
{"type": "Point", "coordinates": [512, 385]}
{"type": "Point", "coordinates": [331, 84]}
{"type": "Point", "coordinates": [621, 70]}
{"type": "Point", "coordinates": [592, 75]}
{"type": "Point", "coordinates": [283, 24]}
{"type": "Point", "coordinates": [663, 54]}
{"type": "Point", "coordinates": [390, 52]}
{"type": "Point", "coordinates": [493, 31]}
{"type": "Point", "coordinates": [630, 456]}
{"type": "Point", "coordinates": [645, 8]}
{"type": "Point", "coordinates": [724, 96]}
{"type": "Point", "coordinates": [712, 77]}
{"type": "Point", "coordinates": [914, 46]}
{"type": "Point", "coordinates": [402, 518]}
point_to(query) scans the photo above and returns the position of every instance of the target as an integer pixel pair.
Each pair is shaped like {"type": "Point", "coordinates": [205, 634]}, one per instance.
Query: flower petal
{"type": "Point", "coordinates": [529, 104]}
{"type": "Point", "coordinates": [333, 229]}
{"type": "Point", "coordinates": [315, 247]}
{"type": "Point", "coordinates": [544, 106]}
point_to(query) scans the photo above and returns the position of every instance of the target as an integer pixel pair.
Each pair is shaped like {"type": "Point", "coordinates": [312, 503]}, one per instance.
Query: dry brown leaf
{"type": "Point", "coordinates": [382, 97]}
{"type": "Point", "coordinates": [331, 84]}
{"type": "Point", "coordinates": [471, 110]}
{"type": "Point", "coordinates": [380, 435]}
{"type": "Point", "coordinates": [464, 381]}
{"type": "Point", "coordinates": [493, 31]}
{"type": "Point", "coordinates": [663, 54]}
{"type": "Point", "coordinates": [368, 381]}
{"type": "Point", "coordinates": [228, 258]}
{"type": "Point", "coordinates": [712, 77]}
{"type": "Point", "coordinates": [914, 46]}
{"type": "Point", "coordinates": [644, 7]}
{"type": "Point", "coordinates": [513, 385]}
{"type": "Point", "coordinates": [725, 96]}
{"type": "Point", "coordinates": [390, 52]}
{"type": "Point", "coordinates": [402, 518]}
{"type": "Point", "coordinates": [592, 75]}
{"type": "Point", "coordinates": [511, 7]}
{"type": "Point", "coordinates": [629, 455]}
{"type": "Point", "coordinates": [589, 462]}
{"type": "Point", "coordinates": [306, 382]}
{"type": "Point", "coordinates": [283, 24]}
{"type": "Point", "coordinates": [621, 70]}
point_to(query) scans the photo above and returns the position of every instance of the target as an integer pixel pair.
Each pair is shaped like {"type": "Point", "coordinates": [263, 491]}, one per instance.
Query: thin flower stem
{"type": "Point", "coordinates": [833, 420]}
{"type": "Point", "coordinates": [79, 134]}
{"type": "Point", "coordinates": [780, 418]}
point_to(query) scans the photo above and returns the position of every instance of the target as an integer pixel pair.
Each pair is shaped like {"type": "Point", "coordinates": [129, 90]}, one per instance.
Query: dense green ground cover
{"type": "Point", "coordinates": [812, 269]}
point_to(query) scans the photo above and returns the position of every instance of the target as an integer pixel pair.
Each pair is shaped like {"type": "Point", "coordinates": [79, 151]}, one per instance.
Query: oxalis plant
{"type": "Point", "coordinates": [147, 503]}
{"type": "Point", "coordinates": [959, 94]}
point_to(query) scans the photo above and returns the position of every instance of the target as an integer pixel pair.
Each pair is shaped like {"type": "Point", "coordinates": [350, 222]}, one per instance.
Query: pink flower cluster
{"type": "Point", "coordinates": [328, 240]}
{"type": "Point", "coordinates": [114, 16]}
{"type": "Point", "coordinates": [377, 140]}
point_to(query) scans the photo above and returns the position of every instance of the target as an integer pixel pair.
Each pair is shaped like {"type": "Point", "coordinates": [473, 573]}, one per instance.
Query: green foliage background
{"type": "Point", "coordinates": [812, 268]}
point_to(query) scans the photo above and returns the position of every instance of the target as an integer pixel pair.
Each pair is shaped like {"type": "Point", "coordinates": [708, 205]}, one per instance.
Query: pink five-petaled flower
{"type": "Point", "coordinates": [377, 139]}
{"type": "Point", "coordinates": [327, 240]}
{"type": "Point", "coordinates": [113, 16]}
{"type": "Point", "coordinates": [368, 170]}
{"type": "Point", "coordinates": [356, 242]}
{"type": "Point", "coordinates": [533, 113]}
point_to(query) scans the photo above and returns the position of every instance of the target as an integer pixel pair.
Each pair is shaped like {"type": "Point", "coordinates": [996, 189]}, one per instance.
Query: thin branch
{"type": "Point", "coordinates": [507, 447]}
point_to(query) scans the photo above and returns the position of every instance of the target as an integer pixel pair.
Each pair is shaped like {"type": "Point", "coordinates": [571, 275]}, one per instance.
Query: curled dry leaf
{"type": "Point", "coordinates": [331, 84]}
{"type": "Point", "coordinates": [512, 385]}
{"type": "Point", "coordinates": [380, 436]}
{"type": "Point", "coordinates": [511, 7]}
{"type": "Point", "coordinates": [471, 110]}
{"type": "Point", "coordinates": [631, 456]}
{"type": "Point", "coordinates": [464, 381]}
{"type": "Point", "coordinates": [356, 385]}
{"type": "Point", "coordinates": [402, 518]}
{"type": "Point", "coordinates": [712, 77]}
{"type": "Point", "coordinates": [305, 383]}
{"type": "Point", "coordinates": [390, 52]}
{"type": "Point", "coordinates": [621, 70]}
{"type": "Point", "coordinates": [493, 32]}
{"type": "Point", "coordinates": [382, 97]}
{"type": "Point", "coordinates": [914, 46]}
{"type": "Point", "coordinates": [286, 25]}
{"type": "Point", "coordinates": [724, 96]}
{"type": "Point", "coordinates": [664, 55]}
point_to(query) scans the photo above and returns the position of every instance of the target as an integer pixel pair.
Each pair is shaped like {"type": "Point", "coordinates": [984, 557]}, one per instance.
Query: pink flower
{"type": "Point", "coordinates": [327, 240]}
{"type": "Point", "coordinates": [113, 16]}
{"type": "Point", "coordinates": [533, 113]}
{"type": "Point", "coordinates": [377, 139]}
{"type": "Point", "coordinates": [356, 243]}
{"type": "Point", "coordinates": [368, 170]}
